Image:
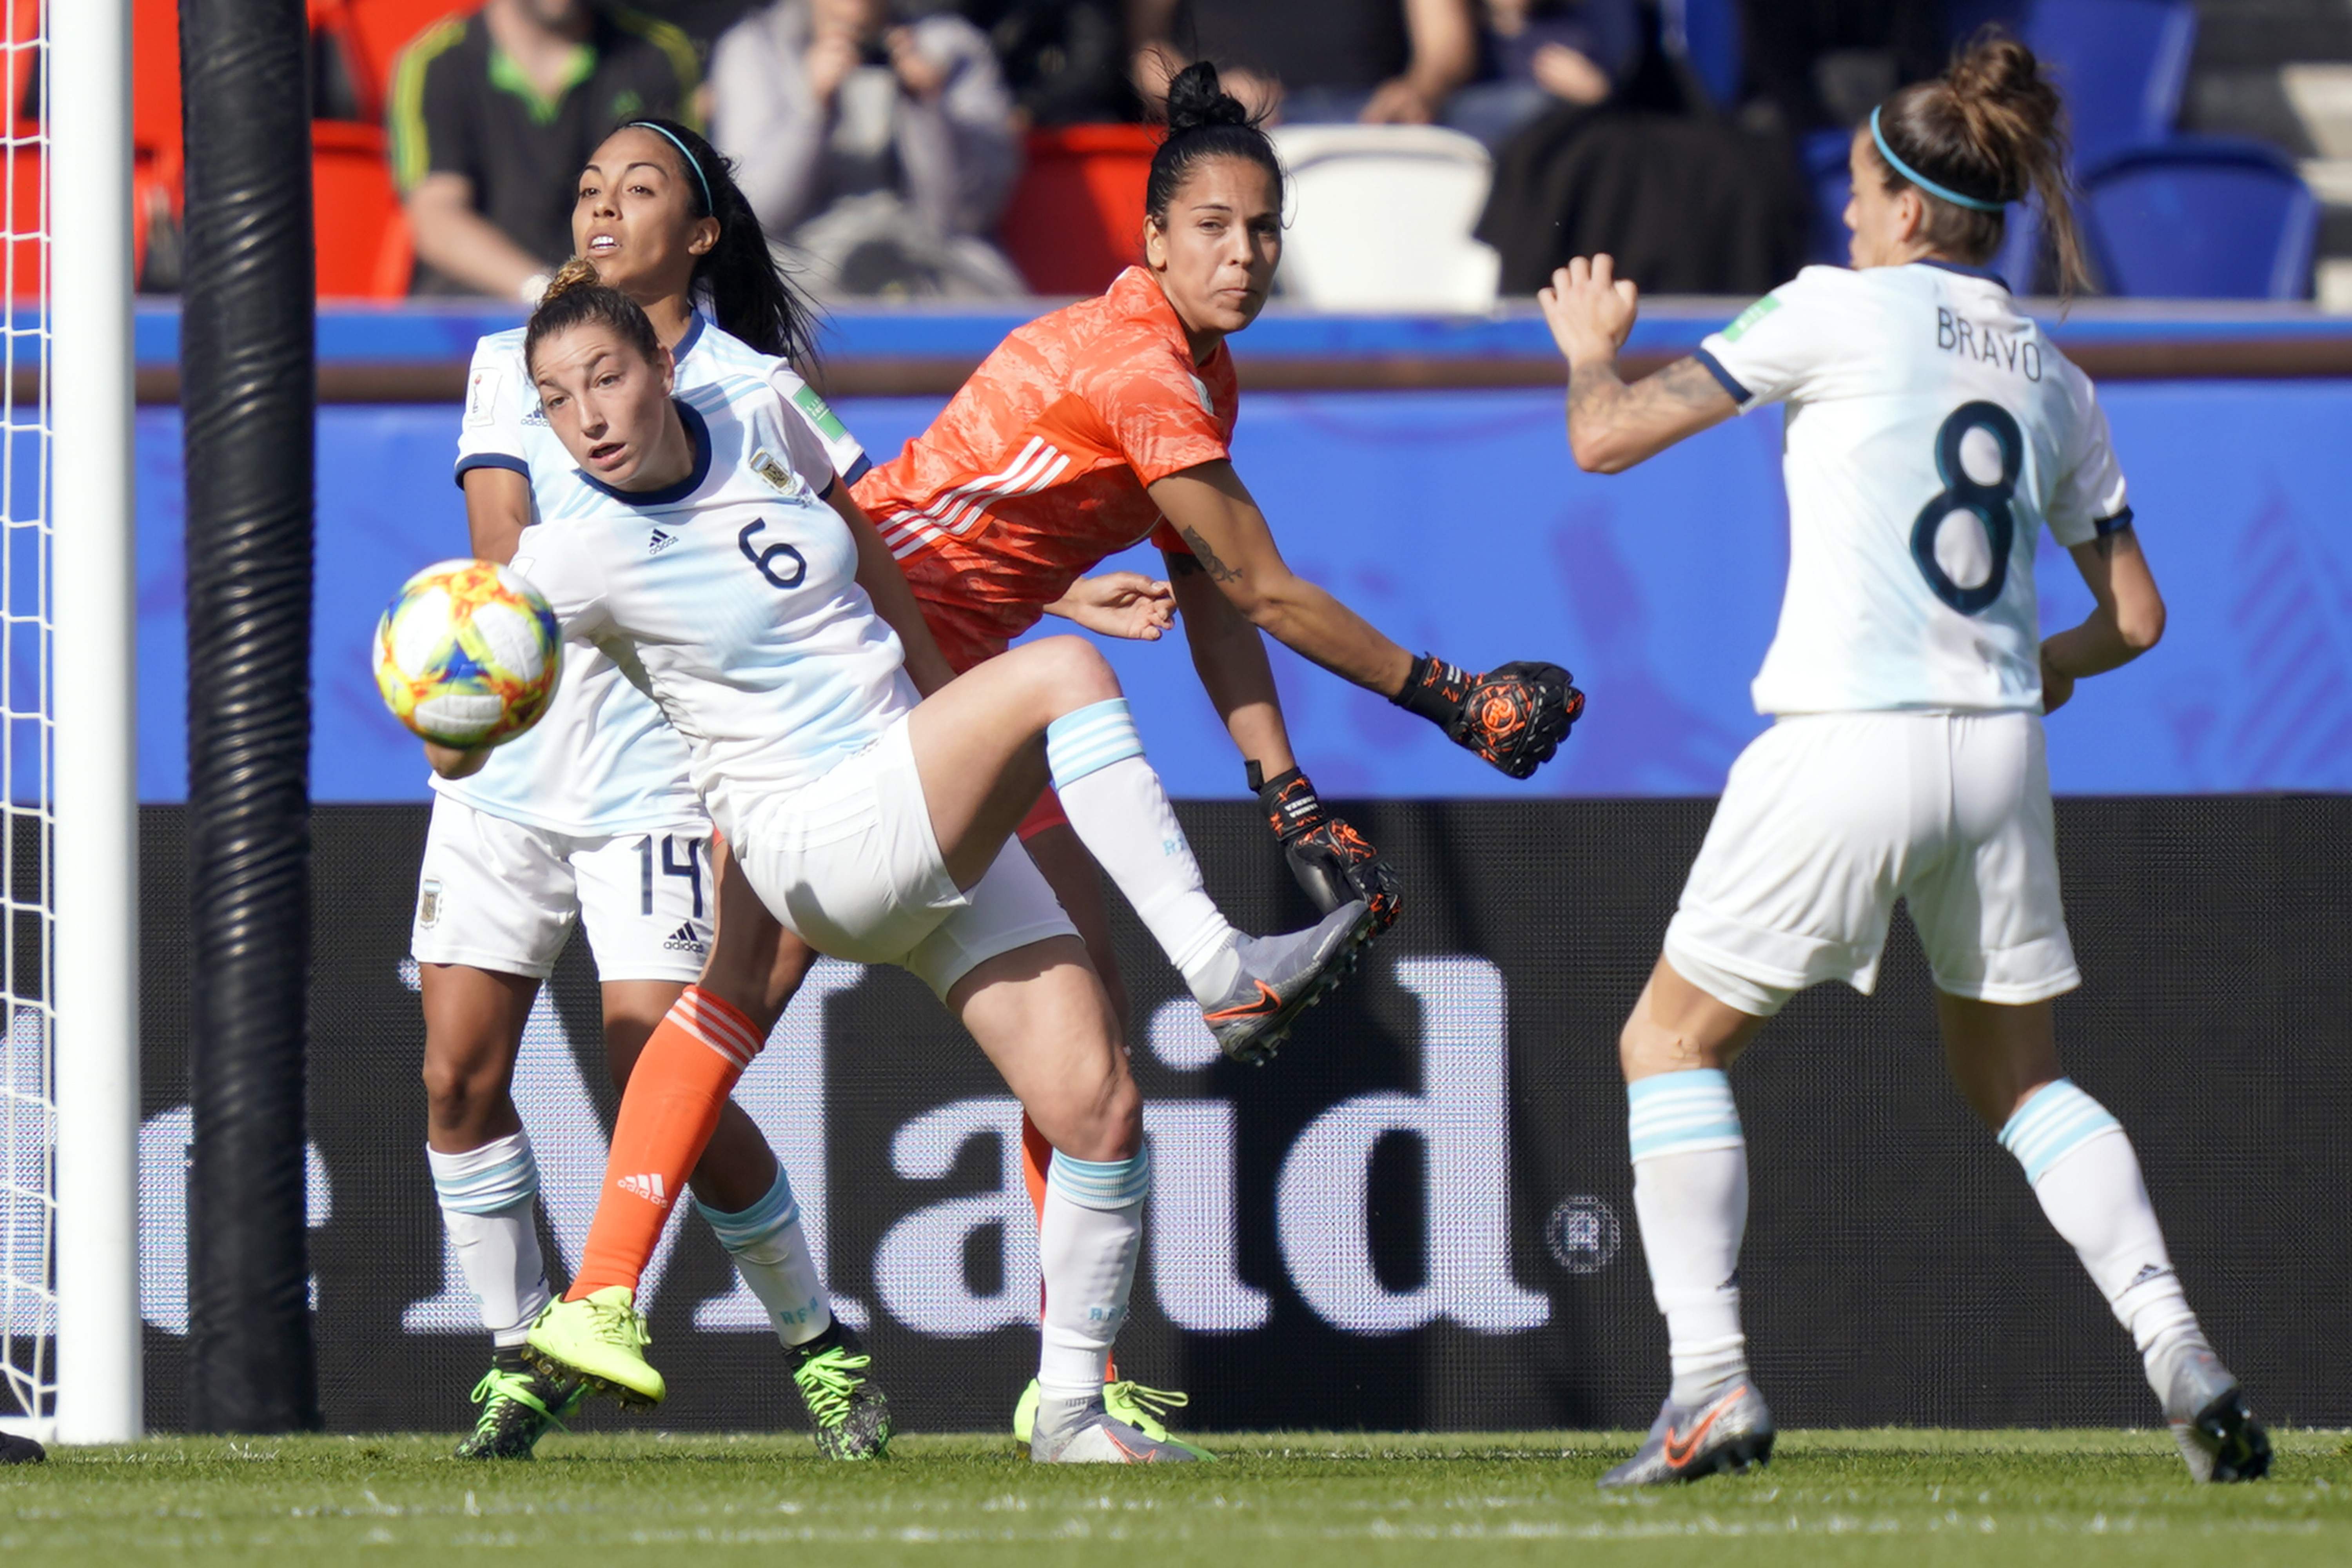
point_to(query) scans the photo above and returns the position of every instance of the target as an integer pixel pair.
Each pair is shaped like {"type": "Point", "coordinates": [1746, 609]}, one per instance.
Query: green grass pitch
{"type": "Point", "coordinates": [1919, 1499]}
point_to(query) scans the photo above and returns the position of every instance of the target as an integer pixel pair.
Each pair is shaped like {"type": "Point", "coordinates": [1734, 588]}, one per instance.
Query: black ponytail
{"type": "Point", "coordinates": [749, 297]}
{"type": "Point", "coordinates": [1204, 121]}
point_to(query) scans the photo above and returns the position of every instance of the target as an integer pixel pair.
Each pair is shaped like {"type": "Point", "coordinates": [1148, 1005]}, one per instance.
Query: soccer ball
{"type": "Point", "coordinates": [465, 654]}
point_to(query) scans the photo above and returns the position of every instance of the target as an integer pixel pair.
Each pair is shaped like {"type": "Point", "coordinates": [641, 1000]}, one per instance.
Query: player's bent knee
{"type": "Point", "coordinates": [1076, 672]}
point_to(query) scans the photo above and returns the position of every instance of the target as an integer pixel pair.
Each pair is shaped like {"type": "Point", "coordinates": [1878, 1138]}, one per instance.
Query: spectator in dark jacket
{"type": "Point", "coordinates": [491, 116]}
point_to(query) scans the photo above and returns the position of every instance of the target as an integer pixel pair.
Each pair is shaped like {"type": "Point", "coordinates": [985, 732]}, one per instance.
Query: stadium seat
{"type": "Point", "coordinates": [1075, 219]}
{"type": "Point", "coordinates": [2122, 65]}
{"type": "Point", "coordinates": [2203, 218]}
{"type": "Point", "coordinates": [155, 79]}
{"type": "Point", "coordinates": [23, 257]}
{"type": "Point", "coordinates": [1705, 34]}
{"type": "Point", "coordinates": [1382, 217]}
{"type": "Point", "coordinates": [364, 246]}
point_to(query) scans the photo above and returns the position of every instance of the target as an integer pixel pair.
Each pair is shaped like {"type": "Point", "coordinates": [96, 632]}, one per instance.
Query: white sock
{"type": "Point", "coordinates": [2083, 1169]}
{"type": "Point", "coordinates": [773, 1255]}
{"type": "Point", "coordinates": [1087, 1242]}
{"type": "Point", "coordinates": [1690, 1193]}
{"type": "Point", "coordinates": [490, 1204]}
{"type": "Point", "coordinates": [1120, 812]}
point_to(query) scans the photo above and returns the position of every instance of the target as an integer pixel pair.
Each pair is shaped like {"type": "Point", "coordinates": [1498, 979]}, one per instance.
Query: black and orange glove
{"type": "Point", "coordinates": [1515, 715]}
{"type": "Point", "coordinates": [1333, 862]}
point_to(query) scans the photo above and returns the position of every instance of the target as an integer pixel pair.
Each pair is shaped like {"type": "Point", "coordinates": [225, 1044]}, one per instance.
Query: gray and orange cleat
{"type": "Point", "coordinates": [1722, 1435]}
{"type": "Point", "coordinates": [1081, 1432]}
{"type": "Point", "coordinates": [2220, 1438]}
{"type": "Point", "coordinates": [1281, 976]}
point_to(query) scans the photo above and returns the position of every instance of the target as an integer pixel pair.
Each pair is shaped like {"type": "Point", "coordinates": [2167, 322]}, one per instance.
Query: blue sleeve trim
{"type": "Point", "coordinates": [2115, 524]}
{"type": "Point", "coordinates": [473, 461]}
{"type": "Point", "coordinates": [831, 485]}
{"type": "Point", "coordinates": [858, 470]}
{"type": "Point", "coordinates": [1715, 368]}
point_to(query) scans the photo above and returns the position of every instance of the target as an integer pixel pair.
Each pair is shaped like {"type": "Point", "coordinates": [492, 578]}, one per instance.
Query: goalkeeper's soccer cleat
{"type": "Point", "coordinates": [1282, 976]}
{"type": "Point", "coordinates": [1725, 1434]}
{"type": "Point", "coordinates": [1145, 1409]}
{"type": "Point", "coordinates": [2220, 1438]}
{"type": "Point", "coordinates": [599, 1341]}
{"type": "Point", "coordinates": [518, 1407]}
{"type": "Point", "coordinates": [847, 1407]}
{"type": "Point", "coordinates": [1081, 1432]}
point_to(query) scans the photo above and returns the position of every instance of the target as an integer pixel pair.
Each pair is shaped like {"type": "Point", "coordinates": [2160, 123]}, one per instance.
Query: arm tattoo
{"type": "Point", "coordinates": [1181, 564]}
{"type": "Point", "coordinates": [1207, 559]}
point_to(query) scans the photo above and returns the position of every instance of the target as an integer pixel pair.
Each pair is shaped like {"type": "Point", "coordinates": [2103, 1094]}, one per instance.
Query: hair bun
{"type": "Point", "coordinates": [576, 273]}
{"type": "Point", "coordinates": [1195, 100]}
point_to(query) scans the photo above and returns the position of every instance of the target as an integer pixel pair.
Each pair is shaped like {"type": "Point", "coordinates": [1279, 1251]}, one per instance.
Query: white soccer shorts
{"type": "Point", "coordinates": [502, 895]}
{"type": "Point", "coordinates": [850, 864]}
{"type": "Point", "coordinates": [1829, 819]}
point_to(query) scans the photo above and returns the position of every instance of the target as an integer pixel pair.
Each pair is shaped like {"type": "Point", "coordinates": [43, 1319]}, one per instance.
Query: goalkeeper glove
{"type": "Point", "coordinates": [1515, 715]}
{"type": "Point", "coordinates": [1333, 862]}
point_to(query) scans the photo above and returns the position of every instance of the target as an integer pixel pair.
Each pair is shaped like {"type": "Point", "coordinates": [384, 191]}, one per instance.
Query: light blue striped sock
{"type": "Point", "coordinates": [1690, 1193]}
{"type": "Point", "coordinates": [1680, 1113]}
{"type": "Point", "coordinates": [2058, 1119]}
{"type": "Point", "coordinates": [486, 1206]}
{"type": "Point", "coordinates": [771, 1252]}
{"type": "Point", "coordinates": [498, 1176]}
{"type": "Point", "coordinates": [1118, 808]}
{"type": "Point", "coordinates": [1091, 739]}
{"type": "Point", "coordinates": [1087, 1237]}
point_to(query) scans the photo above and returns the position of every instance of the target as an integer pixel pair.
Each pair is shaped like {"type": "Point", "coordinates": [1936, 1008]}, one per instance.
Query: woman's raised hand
{"type": "Point", "coordinates": [1591, 309]}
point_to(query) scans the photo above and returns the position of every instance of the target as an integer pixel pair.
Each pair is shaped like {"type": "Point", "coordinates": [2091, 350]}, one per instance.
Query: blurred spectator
{"type": "Point", "coordinates": [1542, 53]}
{"type": "Point", "coordinates": [491, 116]}
{"type": "Point", "coordinates": [877, 153]}
{"type": "Point", "coordinates": [1383, 62]}
{"type": "Point", "coordinates": [1687, 201]}
{"type": "Point", "coordinates": [1066, 60]}
{"type": "Point", "coordinates": [1822, 63]}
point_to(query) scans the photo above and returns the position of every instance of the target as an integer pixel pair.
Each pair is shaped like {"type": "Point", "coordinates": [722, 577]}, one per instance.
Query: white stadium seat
{"type": "Point", "coordinates": [1380, 218]}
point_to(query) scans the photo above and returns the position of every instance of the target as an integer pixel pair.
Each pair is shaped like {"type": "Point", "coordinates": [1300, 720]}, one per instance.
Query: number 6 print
{"type": "Point", "coordinates": [765, 560]}
{"type": "Point", "coordinates": [1988, 502]}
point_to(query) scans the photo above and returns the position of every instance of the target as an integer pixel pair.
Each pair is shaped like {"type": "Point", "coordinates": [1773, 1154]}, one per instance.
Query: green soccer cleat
{"type": "Point", "coordinates": [598, 1341]}
{"type": "Point", "coordinates": [518, 1407]}
{"type": "Point", "coordinates": [1145, 1409]}
{"type": "Point", "coordinates": [850, 1412]}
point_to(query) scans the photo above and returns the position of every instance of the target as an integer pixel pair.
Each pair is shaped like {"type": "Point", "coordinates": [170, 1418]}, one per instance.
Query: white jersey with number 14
{"type": "Point", "coordinates": [1933, 431]}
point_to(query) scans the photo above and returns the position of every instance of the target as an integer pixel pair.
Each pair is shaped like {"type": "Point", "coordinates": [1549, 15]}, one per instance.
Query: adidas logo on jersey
{"type": "Point", "coordinates": [650, 1188]}
{"type": "Point", "coordinates": [683, 939]}
{"type": "Point", "coordinates": [537, 416]}
{"type": "Point", "coordinates": [660, 541]}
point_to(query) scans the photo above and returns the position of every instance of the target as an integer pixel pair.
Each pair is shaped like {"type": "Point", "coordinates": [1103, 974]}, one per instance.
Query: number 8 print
{"type": "Point", "coordinates": [1961, 492]}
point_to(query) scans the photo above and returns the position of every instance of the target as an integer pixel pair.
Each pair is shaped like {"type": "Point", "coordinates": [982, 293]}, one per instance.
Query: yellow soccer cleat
{"type": "Point", "coordinates": [599, 1341]}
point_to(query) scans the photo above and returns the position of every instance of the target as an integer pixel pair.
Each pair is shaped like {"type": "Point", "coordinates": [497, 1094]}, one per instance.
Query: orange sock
{"type": "Point", "coordinates": [671, 1107]}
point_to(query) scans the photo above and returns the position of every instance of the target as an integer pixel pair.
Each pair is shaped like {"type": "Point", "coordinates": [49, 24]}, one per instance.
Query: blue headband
{"type": "Point", "coordinates": [696, 169]}
{"type": "Point", "coordinates": [1974, 203]}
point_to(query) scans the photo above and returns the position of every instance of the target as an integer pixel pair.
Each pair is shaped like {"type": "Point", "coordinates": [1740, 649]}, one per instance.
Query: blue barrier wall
{"type": "Point", "coordinates": [1454, 521]}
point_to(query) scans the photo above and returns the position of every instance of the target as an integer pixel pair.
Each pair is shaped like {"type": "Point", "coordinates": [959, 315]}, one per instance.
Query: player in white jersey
{"type": "Point", "coordinates": [590, 817]}
{"type": "Point", "coordinates": [1932, 432]}
{"type": "Point", "coordinates": [878, 828]}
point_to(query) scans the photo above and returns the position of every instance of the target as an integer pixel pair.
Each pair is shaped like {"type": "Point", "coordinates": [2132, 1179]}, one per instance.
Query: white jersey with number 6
{"type": "Point", "coordinates": [601, 761]}
{"type": "Point", "coordinates": [1933, 431]}
{"type": "Point", "coordinates": [731, 599]}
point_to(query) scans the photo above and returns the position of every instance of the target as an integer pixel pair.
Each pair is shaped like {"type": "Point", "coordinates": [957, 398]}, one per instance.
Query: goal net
{"type": "Point", "coordinates": [28, 1301]}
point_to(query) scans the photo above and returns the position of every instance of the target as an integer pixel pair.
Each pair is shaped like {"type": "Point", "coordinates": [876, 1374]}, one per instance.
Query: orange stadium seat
{"type": "Point", "coordinates": [364, 248]}
{"type": "Point", "coordinates": [22, 21]}
{"type": "Point", "coordinates": [1076, 217]}
{"type": "Point", "coordinates": [23, 255]}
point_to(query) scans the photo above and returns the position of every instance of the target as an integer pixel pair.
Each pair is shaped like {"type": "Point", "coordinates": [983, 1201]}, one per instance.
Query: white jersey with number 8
{"type": "Point", "coordinates": [1933, 431]}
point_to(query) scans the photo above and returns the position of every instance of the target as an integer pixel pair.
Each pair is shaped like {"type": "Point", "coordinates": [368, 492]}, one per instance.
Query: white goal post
{"type": "Point", "coordinates": [70, 1096]}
